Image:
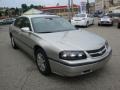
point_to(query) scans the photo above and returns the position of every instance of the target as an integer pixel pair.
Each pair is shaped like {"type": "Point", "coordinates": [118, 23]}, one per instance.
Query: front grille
{"type": "Point", "coordinates": [105, 22]}
{"type": "Point", "coordinates": [97, 52]}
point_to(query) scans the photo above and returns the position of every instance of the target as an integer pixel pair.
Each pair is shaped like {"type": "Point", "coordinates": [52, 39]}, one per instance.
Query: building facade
{"type": "Point", "coordinates": [60, 10]}
{"type": "Point", "coordinates": [92, 7]}
{"type": "Point", "coordinates": [116, 2]}
{"type": "Point", "coordinates": [104, 5]}
{"type": "Point", "coordinates": [99, 5]}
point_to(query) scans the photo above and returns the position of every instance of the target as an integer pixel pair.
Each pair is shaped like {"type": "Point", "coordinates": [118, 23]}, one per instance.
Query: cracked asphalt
{"type": "Point", "coordinates": [19, 72]}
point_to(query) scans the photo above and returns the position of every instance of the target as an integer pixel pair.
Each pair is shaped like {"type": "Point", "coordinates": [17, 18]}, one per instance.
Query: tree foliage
{"type": "Point", "coordinates": [24, 7]}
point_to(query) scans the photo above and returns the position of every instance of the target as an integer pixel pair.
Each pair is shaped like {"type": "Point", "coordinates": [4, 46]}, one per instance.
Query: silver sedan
{"type": "Point", "coordinates": [57, 46]}
{"type": "Point", "coordinates": [105, 20]}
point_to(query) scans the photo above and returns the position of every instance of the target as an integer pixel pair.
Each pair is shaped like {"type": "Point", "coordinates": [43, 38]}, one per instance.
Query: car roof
{"type": "Point", "coordinates": [39, 15]}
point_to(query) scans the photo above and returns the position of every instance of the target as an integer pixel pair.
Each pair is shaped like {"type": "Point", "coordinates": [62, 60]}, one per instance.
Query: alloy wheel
{"type": "Point", "coordinates": [41, 62]}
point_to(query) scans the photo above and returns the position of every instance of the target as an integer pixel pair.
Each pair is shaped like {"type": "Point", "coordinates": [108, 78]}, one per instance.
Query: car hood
{"type": "Point", "coordinates": [74, 40]}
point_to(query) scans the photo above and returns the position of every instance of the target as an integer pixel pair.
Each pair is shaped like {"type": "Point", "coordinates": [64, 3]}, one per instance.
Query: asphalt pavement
{"type": "Point", "coordinates": [19, 72]}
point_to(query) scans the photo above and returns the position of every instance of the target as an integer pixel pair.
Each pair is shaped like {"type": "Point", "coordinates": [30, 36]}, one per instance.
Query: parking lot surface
{"type": "Point", "coordinates": [19, 72]}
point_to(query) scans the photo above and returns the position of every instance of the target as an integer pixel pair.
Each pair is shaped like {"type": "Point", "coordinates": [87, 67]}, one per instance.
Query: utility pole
{"type": "Point", "coordinates": [88, 6]}
{"type": "Point", "coordinates": [104, 7]}
{"type": "Point", "coordinates": [72, 10]}
{"type": "Point", "coordinates": [69, 10]}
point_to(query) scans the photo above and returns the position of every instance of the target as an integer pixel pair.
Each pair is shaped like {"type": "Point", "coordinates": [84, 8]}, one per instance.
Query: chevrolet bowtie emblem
{"type": "Point", "coordinates": [100, 52]}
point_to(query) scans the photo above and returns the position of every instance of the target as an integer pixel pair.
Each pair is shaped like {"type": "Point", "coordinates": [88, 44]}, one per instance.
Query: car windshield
{"type": "Point", "coordinates": [80, 15]}
{"type": "Point", "coordinates": [51, 24]}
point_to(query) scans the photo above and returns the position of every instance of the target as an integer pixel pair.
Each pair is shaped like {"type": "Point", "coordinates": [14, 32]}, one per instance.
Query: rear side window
{"type": "Point", "coordinates": [80, 15]}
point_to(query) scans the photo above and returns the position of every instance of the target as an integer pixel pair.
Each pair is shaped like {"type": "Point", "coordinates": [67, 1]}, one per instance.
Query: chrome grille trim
{"type": "Point", "coordinates": [97, 52]}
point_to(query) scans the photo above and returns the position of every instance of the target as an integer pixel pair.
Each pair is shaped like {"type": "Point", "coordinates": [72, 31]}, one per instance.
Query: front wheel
{"type": "Point", "coordinates": [42, 62]}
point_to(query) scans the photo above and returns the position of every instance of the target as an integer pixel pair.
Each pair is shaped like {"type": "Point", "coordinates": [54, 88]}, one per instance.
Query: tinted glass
{"type": "Point", "coordinates": [51, 24]}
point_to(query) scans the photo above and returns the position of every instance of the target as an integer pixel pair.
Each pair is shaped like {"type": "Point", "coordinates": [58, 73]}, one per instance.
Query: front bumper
{"type": "Point", "coordinates": [79, 69]}
{"type": "Point", "coordinates": [105, 22]}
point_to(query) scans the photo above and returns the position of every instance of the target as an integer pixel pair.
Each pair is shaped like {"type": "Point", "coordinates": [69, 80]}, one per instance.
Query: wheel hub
{"type": "Point", "coordinates": [41, 62]}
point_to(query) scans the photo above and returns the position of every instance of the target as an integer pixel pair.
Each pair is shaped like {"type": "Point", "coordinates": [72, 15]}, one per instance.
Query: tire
{"type": "Point", "coordinates": [87, 24]}
{"type": "Point", "coordinates": [42, 62]}
{"type": "Point", "coordinates": [13, 43]}
{"type": "Point", "coordinates": [118, 25]}
{"type": "Point", "coordinates": [93, 22]}
{"type": "Point", "coordinates": [112, 24]}
{"type": "Point", "coordinates": [99, 24]}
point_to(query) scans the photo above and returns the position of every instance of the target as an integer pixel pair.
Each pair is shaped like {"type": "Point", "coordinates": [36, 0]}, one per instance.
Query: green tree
{"type": "Point", "coordinates": [32, 6]}
{"type": "Point", "coordinates": [17, 11]}
{"type": "Point", "coordinates": [0, 14]}
{"type": "Point", "coordinates": [6, 12]}
{"type": "Point", "coordinates": [24, 7]}
{"type": "Point", "coordinates": [12, 11]}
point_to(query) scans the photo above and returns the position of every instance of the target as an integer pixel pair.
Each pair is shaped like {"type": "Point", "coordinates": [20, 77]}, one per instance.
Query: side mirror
{"type": "Point", "coordinates": [25, 29]}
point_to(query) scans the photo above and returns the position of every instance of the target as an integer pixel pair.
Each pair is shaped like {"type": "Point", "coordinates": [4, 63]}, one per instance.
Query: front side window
{"type": "Point", "coordinates": [51, 24]}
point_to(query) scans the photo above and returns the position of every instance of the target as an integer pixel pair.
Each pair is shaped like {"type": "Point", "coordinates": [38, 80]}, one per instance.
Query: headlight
{"type": "Point", "coordinates": [72, 55]}
{"type": "Point", "coordinates": [106, 44]}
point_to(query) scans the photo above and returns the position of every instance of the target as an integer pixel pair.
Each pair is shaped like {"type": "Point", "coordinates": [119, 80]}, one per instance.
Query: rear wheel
{"type": "Point", "coordinates": [93, 22]}
{"type": "Point", "coordinates": [112, 24]}
{"type": "Point", "coordinates": [118, 25]}
{"type": "Point", "coordinates": [42, 62]}
{"type": "Point", "coordinates": [99, 24]}
{"type": "Point", "coordinates": [13, 43]}
{"type": "Point", "coordinates": [87, 24]}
